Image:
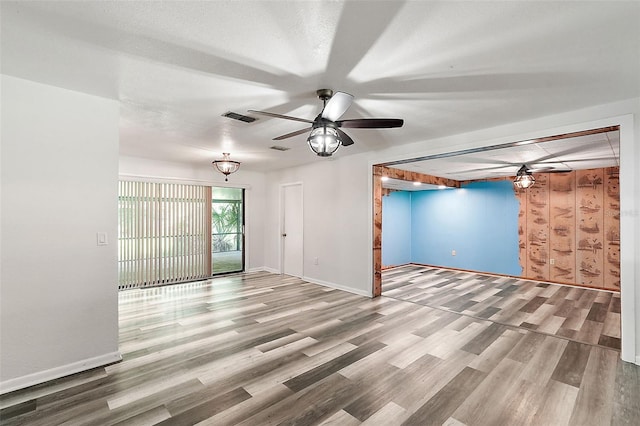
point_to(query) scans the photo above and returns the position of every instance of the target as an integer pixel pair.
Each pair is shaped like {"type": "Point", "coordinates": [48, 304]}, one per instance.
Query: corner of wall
{"type": "Point", "coordinates": [263, 269]}
{"type": "Point", "coordinates": [337, 286]}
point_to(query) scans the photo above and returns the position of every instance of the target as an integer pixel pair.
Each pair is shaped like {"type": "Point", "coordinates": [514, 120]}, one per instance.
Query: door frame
{"type": "Point", "coordinates": [629, 230]}
{"type": "Point", "coordinates": [283, 186]}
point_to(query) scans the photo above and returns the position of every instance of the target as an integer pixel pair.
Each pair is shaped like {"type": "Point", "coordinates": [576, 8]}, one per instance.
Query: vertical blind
{"type": "Point", "coordinates": [164, 233]}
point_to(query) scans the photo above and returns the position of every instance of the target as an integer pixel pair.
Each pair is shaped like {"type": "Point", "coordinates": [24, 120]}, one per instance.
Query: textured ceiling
{"type": "Point", "coordinates": [444, 67]}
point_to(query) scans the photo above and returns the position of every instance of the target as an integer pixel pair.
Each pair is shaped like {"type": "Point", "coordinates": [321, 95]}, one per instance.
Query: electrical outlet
{"type": "Point", "coordinates": [552, 261]}
{"type": "Point", "coordinates": [315, 261]}
{"type": "Point", "coordinates": [453, 252]}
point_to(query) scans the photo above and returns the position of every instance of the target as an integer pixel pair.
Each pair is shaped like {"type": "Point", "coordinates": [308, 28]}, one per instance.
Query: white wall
{"type": "Point", "coordinates": [58, 289]}
{"type": "Point", "coordinates": [336, 208]}
{"type": "Point", "coordinates": [338, 203]}
{"type": "Point", "coordinates": [206, 174]}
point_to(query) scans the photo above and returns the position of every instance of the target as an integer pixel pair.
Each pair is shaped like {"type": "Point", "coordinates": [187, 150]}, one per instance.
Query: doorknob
{"type": "Point", "coordinates": [284, 235]}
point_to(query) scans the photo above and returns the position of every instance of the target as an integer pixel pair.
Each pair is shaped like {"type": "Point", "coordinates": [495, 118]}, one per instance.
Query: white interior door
{"type": "Point", "coordinates": [291, 229]}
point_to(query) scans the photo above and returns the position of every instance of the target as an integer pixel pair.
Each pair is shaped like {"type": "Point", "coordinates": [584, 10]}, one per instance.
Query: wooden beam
{"type": "Point", "coordinates": [410, 176]}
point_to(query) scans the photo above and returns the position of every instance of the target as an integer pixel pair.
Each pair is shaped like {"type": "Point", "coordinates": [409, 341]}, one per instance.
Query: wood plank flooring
{"type": "Point", "coordinates": [266, 349]}
{"type": "Point", "coordinates": [580, 314]}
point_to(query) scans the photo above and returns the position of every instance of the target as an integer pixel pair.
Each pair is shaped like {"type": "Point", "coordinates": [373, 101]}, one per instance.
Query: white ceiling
{"type": "Point", "coordinates": [444, 67]}
{"type": "Point", "coordinates": [581, 152]}
{"type": "Point", "coordinates": [588, 151]}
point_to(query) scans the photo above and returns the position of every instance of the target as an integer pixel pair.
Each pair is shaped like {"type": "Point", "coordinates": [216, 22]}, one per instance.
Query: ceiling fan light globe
{"type": "Point", "coordinates": [324, 141]}
{"type": "Point", "coordinates": [524, 181]}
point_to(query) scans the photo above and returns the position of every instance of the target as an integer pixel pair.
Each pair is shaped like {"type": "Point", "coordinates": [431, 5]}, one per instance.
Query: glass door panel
{"type": "Point", "coordinates": [227, 230]}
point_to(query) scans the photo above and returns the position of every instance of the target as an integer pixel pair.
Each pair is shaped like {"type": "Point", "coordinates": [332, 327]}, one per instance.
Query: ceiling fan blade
{"type": "Point", "coordinates": [507, 168]}
{"type": "Point", "coordinates": [337, 105]}
{"type": "Point", "coordinates": [547, 170]}
{"type": "Point", "coordinates": [286, 117]}
{"type": "Point", "coordinates": [292, 134]}
{"type": "Point", "coordinates": [346, 140]}
{"type": "Point", "coordinates": [371, 123]}
{"type": "Point", "coordinates": [576, 160]}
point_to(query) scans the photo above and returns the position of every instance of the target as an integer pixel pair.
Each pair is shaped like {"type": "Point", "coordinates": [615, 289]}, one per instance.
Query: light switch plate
{"type": "Point", "coordinates": [102, 239]}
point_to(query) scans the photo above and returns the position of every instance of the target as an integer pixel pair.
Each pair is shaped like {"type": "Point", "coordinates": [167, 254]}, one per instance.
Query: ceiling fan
{"type": "Point", "coordinates": [326, 136]}
{"type": "Point", "coordinates": [524, 176]}
{"type": "Point", "coordinates": [542, 166]}
{"type": "Point", "coordinates": [549, 169]}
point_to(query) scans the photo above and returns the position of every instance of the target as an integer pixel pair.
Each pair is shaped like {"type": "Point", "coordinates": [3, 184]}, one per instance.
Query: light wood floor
{"type": "Point", "coordinates": [580, 314]}
{"type": "Point", "coordinates": [265, 349]}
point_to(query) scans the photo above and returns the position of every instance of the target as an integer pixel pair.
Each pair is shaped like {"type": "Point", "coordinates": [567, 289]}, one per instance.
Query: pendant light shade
{"type": "Point", "coordinates": [226, 166]}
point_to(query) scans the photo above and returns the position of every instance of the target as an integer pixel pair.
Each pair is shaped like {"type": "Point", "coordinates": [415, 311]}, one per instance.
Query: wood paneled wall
{"type": "Point", "coordinates": [569, 228]}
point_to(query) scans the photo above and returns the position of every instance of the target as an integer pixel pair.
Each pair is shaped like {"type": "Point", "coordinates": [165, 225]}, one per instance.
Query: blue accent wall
{"type": "Point", "coordinates": [478, 221]}
{"type": "Point", "coordinates": [396, 228]}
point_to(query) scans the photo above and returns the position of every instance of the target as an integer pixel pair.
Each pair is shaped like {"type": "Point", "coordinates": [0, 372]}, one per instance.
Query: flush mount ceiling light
{"type": "Point", "coordinates": [226, 166]}
{"type": "Point", "coordinates": [524, 179]}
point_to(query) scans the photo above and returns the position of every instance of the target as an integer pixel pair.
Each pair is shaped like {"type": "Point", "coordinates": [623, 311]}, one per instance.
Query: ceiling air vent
{"type": "Point", "coordinates": [280, 148]}
{"type": "Point", "coordinates": [239, 117]}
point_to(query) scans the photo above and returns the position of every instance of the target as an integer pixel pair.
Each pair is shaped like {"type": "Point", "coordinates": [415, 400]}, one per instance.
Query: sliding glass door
{"type": "Point", "coordinates": [170, 233]}
{"type": "Point", "coordinates": [227, 230]}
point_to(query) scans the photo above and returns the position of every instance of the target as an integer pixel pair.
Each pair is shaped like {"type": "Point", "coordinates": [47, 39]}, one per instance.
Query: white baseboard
{"type": "Point", "coordinates": [338, 287]}
{"type": "Point", "coordinates": [315, 281]}
{"type": "Point", "coordinates": [57, 372]}
{"type": "Point", "coordinates": [263, 269]}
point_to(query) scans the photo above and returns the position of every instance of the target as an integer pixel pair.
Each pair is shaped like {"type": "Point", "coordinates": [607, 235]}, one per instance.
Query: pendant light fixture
{"type": "Point", "coordinates": [226, 166]}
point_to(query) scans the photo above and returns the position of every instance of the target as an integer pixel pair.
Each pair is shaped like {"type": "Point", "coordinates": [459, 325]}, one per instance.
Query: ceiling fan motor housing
{"type": "Point", "coordinates": [324, 94]}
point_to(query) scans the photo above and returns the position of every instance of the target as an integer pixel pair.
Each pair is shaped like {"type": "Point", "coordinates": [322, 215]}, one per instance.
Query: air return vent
{"type": "Point", "coordinates": [280, 148]}
{"type": "Point", "coordinates": [239, 117]}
